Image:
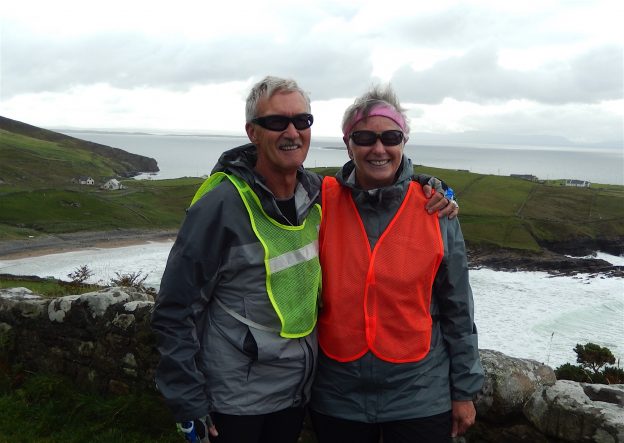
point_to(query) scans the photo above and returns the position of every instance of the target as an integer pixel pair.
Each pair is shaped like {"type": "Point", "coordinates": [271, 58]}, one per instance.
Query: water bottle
{"type": "Point", "coordinates": [188, 429]}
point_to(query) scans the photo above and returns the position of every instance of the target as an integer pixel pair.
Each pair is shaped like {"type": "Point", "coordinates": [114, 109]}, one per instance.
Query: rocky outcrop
{"type": "Point", "coordinates": [509, 384]}
{"type": "Point", "coordinates": [580, 247]}
{"type": "Point", "coordinates": [546, 261]}
{"type": "Point", "coordinates": [521, 401]}
{"type": "Point", "coordinates": [103, 339]}
{"type": "Point", "coordinates": [574, 411]}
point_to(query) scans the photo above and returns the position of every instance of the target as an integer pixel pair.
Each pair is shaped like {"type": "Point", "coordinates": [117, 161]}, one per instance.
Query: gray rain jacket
{"type": "Point", "coordinates": [372, 390]}
{"type": "Point", "coordinates": [211, 361]}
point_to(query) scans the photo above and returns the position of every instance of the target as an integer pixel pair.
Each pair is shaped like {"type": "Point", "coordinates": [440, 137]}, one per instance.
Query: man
{"type": "Point", "coordinates": [236, 311]}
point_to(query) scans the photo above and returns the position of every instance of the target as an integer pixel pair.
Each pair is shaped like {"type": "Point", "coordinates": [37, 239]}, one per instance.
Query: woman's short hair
{"type": "Point", "coordinates": [377, 95]}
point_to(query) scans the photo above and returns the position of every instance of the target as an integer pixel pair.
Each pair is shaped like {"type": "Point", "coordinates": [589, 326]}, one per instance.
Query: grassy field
{"type": "Point", "coordinates": [143, 204]}
{"type": "Point", "coordinates": [495, 211]}
{"type": "Point", "coordinates": [513, 213]}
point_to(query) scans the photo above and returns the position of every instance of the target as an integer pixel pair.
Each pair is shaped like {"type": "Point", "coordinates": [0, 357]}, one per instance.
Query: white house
{"type": "Point", "coordinates": [578, 183]}
{"type": "Point", "coordinates": [84, 180]}
{"type": "Point", "coordinates": [112, 184]}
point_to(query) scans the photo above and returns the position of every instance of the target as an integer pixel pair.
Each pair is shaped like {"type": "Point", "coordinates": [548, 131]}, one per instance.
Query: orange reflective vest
{"type": "Point", "coordinates": [377, 300]}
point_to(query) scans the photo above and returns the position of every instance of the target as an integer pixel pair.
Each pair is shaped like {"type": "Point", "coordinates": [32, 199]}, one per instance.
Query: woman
{"type": "Point", "coordinates": [399, 346]}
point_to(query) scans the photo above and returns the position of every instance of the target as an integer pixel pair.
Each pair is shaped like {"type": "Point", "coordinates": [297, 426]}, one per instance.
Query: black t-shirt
{"type": "Point", "coordinates": [288, 209]}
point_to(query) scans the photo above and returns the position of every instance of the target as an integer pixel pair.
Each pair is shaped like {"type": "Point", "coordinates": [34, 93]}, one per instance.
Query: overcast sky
{"type": "Point", "coordinates": [512, 67]}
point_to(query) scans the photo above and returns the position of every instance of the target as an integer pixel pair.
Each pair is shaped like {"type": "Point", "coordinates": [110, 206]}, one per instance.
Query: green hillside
{"type": "Point", "coordinates": [33, 157]}
{"type": "Point", "coordinates": [514, 213]}
{"type": "Point", "coordinates": [157, 204]}
{"type": "Point", "coordinates": [37, 197]}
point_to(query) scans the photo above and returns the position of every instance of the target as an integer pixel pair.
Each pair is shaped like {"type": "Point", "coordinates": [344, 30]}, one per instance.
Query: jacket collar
{"type": "Point", "coordinates": [240, 161]}
{"type": "Point", "coordinates": [346, 177]}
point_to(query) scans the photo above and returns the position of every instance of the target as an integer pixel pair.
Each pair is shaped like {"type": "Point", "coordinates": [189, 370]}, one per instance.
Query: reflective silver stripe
{"type": "Point", "coordinates": [245, 320]}
{"type": "Point", "coordinates": [292, 258]}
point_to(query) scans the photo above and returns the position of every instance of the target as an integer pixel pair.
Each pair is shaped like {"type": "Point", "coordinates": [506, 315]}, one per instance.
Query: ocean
{"type": "Point", "coordinates": [522, 314]}
{"type": "Point", "coordinates": [195, 155]}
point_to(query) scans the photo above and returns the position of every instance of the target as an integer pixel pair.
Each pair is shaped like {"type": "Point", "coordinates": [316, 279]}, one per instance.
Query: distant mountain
{"type": "Point", "coordinates": [481, 137]}
{"type": "Point", "coordinates": [104, 160]}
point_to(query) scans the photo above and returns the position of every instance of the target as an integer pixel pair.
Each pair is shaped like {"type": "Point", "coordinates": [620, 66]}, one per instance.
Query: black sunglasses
{"type": "Point", "coordinates": [367, 138]}
{"type": "Point", "coordinates": [281, 122]}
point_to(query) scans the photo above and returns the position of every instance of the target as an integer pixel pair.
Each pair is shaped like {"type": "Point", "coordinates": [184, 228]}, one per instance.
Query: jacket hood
{"type": "Point", "coordinates": [239, 161]}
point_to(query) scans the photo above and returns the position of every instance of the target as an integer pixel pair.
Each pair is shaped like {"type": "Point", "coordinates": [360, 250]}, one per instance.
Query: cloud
{"type": "Point", "coordinates": [133, 60]}
{"type": "Point", "coordinates": [567, 120]}
{"type": "Point", "coordinates": [476, 76]}
{"type": "Point", "coordinates": [551, 67]}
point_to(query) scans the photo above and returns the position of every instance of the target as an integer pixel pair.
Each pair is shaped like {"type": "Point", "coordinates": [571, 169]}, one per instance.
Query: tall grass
{"type": "Point", "coordinates": [51, 409]}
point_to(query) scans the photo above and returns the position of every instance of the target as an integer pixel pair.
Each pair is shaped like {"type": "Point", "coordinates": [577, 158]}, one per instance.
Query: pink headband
{"type": "Point", "coordinates": [382, 111]}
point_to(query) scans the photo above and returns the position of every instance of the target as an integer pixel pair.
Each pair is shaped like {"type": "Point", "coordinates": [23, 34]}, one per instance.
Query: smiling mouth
{"type": "Point", "coordinates": [289, 147]}
{"type": "Point", "coordinates": [379, 162]}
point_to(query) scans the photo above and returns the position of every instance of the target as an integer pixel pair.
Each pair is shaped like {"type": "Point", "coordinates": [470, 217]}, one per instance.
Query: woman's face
{"type": "Point", "coordinates": [377, 164]}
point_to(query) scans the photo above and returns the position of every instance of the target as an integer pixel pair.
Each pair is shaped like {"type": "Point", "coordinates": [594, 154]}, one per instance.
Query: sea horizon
{"type": "Point", "coordinates": [193, 155]}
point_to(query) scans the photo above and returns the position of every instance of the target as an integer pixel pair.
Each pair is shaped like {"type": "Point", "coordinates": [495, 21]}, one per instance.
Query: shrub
{"type": "Point", "coordinates": [572, 372]}
{"type": "Point", "coordinates": [592, 359]}
{"type": "Point", "coordinates": [614, 375]}
{"type": "Point", "coordinates": [134, 280]}
{"type": "Point", "coordinates": [593, 356]}
{"type": "Point", "coordinates": [79, 275]}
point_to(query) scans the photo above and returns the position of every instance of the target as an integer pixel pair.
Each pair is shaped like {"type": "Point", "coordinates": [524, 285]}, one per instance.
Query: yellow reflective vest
{"type": "Point", "coordinates": [293, 271]}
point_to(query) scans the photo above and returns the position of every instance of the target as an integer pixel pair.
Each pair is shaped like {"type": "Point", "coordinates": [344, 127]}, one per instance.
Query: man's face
{"type": "Point", "coordinates": [280, 152]}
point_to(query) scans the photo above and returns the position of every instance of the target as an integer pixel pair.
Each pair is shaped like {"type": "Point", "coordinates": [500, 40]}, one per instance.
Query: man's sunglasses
{"type": "Point", "coordinates": [281, 122]}
{"type": "Point", "coordinates": [369, 138]}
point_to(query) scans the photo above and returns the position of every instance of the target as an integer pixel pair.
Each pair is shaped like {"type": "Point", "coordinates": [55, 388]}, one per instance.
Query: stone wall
{"type": "Point", "coordinates": [103, 339]}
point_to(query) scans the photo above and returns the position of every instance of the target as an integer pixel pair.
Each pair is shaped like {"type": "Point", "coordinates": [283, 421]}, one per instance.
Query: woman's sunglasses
{"type": "Point", "coordinates": [281, 122]}
{"type": "Point", "coordinates": [369, 138]}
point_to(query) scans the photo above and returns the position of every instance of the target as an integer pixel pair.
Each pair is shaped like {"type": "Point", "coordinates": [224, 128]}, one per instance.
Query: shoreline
{"type": "Point", "coordinates": [497, 259]}
{"type": "Point", "coordinates": [75, 241]}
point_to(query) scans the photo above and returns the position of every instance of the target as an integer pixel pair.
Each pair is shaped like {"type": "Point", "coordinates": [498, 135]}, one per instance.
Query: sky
{"type": "Point", "coordinates": [540, 68]}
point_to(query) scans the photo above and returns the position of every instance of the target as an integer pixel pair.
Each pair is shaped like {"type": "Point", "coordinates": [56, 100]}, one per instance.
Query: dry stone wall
{"type": "Point", "coordinates": [100, 338]}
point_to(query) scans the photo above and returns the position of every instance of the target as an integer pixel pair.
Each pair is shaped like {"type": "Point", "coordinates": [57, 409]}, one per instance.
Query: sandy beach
{"type": "Point", "coordinates": [51, 244]}
{"type": "Point", "coordinates": [498, 259]}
